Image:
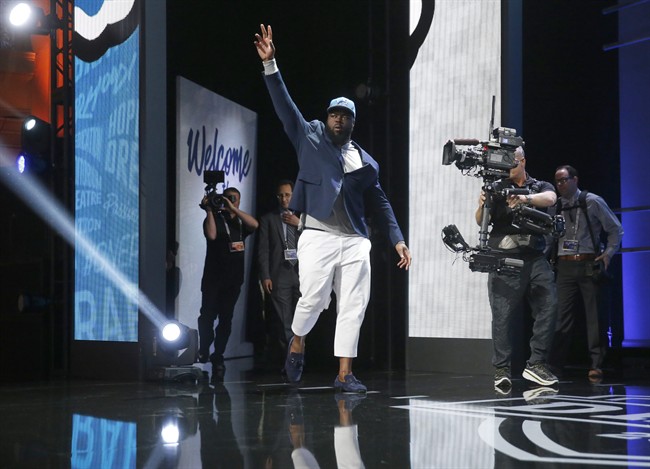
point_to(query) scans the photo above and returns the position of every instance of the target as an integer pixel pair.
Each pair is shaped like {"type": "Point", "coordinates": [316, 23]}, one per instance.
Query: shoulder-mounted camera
{"type": "Point", "coordinates": [214, 199]}
{"type": "Point", "coordinates": [490, 160]}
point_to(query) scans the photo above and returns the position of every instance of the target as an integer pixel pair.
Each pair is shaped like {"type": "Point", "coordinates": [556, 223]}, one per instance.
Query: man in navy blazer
{"type": "Point", "coordinates": [338, 182]}
{"type": "Point", "coordinates": [278, 270]}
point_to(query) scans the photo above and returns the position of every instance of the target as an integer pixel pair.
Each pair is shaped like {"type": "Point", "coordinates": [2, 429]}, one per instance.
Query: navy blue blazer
{"type": "Point", "coordinates": [321, 176]}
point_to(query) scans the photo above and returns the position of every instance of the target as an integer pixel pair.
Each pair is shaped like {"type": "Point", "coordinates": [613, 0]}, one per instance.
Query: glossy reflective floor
{"type": "Point", "coordinates": [253, 420]}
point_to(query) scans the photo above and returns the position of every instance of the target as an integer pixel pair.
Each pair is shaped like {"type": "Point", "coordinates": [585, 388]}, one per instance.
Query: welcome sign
{"type": "Point", "coordinates": [213, 134]}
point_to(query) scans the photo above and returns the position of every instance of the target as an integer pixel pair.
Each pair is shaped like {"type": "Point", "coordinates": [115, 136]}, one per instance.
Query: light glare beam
{"type": "Point", "coordinates": [55, 215]}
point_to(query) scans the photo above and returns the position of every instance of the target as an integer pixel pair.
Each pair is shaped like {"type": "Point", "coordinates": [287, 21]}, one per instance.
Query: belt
{"type": "Point", "coordinates": [578, 257]}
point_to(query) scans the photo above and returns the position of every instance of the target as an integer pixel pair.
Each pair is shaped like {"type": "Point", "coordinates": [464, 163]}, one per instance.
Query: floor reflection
{"type": "Point", "coordinates": [254, 420]}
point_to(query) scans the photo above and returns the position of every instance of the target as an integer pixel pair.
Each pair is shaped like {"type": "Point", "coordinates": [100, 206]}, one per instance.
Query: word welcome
{"type": "Point", "coordinates": [214, 156]}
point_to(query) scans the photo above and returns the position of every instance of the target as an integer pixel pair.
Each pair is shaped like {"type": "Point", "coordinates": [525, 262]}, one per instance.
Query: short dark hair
{"type": "Point", "coordinates": [232, 189]}
{"type": "Point", "coordinates": [569, 169]}
{"type": "Point", "coordinates": [283, 182]}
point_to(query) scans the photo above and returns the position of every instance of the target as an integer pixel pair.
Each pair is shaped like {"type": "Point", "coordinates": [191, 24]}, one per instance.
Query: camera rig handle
{"type": "Point", "coordinates": [485, 220]}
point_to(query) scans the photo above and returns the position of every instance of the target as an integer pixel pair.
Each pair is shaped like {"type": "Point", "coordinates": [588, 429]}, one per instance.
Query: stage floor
{"type": "Point", "coordinates": [253, 419]}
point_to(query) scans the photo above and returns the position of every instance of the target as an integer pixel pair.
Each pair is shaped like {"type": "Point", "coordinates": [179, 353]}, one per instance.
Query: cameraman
{"type": "Point", "coordinates": [535, 284]}
{"type": "Point", "coordinates": [225, 227]}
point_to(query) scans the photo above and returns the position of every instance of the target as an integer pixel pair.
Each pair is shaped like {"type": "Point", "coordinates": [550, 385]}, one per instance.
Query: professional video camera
{"type": "Point", "coordinates": [490, 160]}
{"type": "Point", "coordinates": [215, 200]}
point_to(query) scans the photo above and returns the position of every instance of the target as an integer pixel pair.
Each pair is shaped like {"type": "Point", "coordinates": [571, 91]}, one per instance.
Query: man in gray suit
{"type": "Point", "coordinates": [278, 265]}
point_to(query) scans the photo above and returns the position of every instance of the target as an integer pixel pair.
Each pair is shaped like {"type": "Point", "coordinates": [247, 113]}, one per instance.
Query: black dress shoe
{"type": "Point", "coordinates": [217, 363]}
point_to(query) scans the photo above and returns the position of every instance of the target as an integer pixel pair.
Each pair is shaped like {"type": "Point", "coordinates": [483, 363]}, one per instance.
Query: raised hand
{"type": "Point", "coordinates": [264, 43]}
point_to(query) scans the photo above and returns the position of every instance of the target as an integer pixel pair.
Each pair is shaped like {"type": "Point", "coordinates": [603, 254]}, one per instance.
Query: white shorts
{"type": "Point", "coordinates": [332, 262]}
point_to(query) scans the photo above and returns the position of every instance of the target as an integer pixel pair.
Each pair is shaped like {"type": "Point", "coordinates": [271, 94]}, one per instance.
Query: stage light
{"type": "Point", "coordinates": [175, 350]}
{"type": "Point", "coordinates": [19, 15]}
{"type": "Point", "coordinates": [171, 332]}
{"type": "Point", "coordinates": [26, 163]}
{"type": "Point", "coordinates": [179, 339]}
{"type": "Point", "coordinates": [170, 434]}
{"type": "Point", "coordinates": [28, 17]}
{"type": "Point", "coordinates": [30, 123]}
{"type": "Point", "coordinates": [175, 336]}
{"type": "Point", "coordinates": [36, 146]}
{"type": "Point", "coordinates": [21, 163]}
{"type": "Point", "coordinates": [36, 137]}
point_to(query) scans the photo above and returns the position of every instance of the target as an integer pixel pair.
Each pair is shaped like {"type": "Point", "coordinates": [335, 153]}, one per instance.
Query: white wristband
{"type": "Point", "coordinates": [270, 67]}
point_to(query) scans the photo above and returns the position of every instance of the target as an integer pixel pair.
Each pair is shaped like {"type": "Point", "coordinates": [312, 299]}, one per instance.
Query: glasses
{"type": "Point", "coordinates": [561, 181]}
{"type": "Point", "coordinates": [283, 196]}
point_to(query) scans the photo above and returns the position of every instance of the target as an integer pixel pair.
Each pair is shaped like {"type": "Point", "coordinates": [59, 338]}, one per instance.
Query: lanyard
{"type": "Point", "coordinates": [225, 222]}
{"type": "Point", "coordinates": [576, 224]}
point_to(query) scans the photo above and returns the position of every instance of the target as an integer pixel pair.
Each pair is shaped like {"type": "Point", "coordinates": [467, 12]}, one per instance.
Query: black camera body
{"type": "Point", "coordinates": [215, 200]}
{"type": "Point", "coordinates": [490, 160]}
{"type": "Point", "coordinates": [538, 222]}
{"type": "Point", "coordinates": [488, 262]}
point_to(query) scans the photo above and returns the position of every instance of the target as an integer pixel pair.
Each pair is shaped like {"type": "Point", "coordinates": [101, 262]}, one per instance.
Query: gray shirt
{"type": "Point", "coordinates": [339, 222]}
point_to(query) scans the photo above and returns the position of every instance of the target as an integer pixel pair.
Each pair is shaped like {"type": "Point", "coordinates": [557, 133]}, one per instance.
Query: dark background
{"type": "Point", "coordinates": [330, 48]}
{"type": "Point", "coordinates": [324, 50]}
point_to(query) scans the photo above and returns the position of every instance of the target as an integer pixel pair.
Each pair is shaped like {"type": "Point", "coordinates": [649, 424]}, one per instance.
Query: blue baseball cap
{"type": "Point", "coordinates": [343, 103]}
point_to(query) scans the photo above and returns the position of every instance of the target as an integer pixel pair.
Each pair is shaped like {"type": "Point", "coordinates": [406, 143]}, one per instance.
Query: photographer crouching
{"type": "Point", "coordinates": [225, 228]}
{"type": "Point", "coordinates": [535, 284]}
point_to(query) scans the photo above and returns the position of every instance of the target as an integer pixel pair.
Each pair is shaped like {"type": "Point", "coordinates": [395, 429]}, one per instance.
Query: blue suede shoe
{"type": "Point", "coordinates": [351, 384]}
{"type": "Point", "coordinates": [350, 401]}
{"type": "Point", "coordinates": [294, 364]}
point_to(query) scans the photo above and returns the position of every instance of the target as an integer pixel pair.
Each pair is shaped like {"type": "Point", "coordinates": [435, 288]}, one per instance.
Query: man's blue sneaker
{"type": "Point", "coordinates": [351, 384]}
{"type": "Point", "coordinates": [294, 364]}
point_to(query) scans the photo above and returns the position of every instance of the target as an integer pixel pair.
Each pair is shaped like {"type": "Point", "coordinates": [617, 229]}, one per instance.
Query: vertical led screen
{"type": "Point", "coordinates": [452, 81]}
{"type": "Point", "coordinates": [106, 46]}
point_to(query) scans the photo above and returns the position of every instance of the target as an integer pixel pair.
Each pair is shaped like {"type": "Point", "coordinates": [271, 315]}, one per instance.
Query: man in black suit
{"type": "Point", "coordinates": [278, 264]}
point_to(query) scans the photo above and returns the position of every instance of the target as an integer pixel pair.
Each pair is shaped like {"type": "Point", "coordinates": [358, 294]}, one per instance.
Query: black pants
{"type": "Point", "coordinates": [218, 302]}
{"type": "Point", "coordinates": [284, 299]}
{"type": "Point", "coordinates": [506, 293]}
{"type": "Point", "coordinates": [572, 284]}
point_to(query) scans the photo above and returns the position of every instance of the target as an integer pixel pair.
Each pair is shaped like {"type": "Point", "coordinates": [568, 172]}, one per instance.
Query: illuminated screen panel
{"type": "Point", "coordinates": [106, 166]}
{"type": "Point", "coordinates": [455, 75]}
{"type": "Point", "coordinates": [98, 442]}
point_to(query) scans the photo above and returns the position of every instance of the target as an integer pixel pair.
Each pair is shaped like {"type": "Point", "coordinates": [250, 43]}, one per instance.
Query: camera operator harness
{"type": "Point", "coordinates": [492, 161]}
